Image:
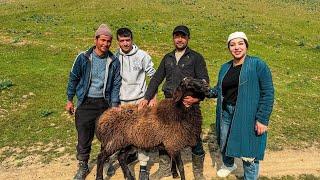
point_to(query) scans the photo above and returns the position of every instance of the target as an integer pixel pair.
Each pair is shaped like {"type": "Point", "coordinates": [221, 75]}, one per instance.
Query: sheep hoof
{"type": "Point", "coordinates": [175, 175]}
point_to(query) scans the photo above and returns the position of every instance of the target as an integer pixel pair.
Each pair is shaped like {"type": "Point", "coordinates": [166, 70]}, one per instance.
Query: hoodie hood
{"type": "Point", "coordinates": [133, 51]}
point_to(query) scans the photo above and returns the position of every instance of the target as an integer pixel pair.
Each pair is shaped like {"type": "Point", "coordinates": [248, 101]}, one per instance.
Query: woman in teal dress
{"type": "Point", "coordinates": [245, 100]}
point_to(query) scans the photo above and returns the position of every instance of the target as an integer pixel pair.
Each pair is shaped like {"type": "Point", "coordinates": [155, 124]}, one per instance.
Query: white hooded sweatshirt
{"type": "Point", "coordinates": [135, 65]}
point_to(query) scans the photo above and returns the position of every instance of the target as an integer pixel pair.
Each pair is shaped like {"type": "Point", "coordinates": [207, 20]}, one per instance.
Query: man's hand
{"type": "Point", "coordinates": [116, 108]}
{"type": "Point", "coordinates": [189, 100]}
{"type": "Point", "coordinates": [260, 128]}
{"type": "Point", "coordinates": [142, 104]}
{"type": "Point", "coordinates": [69, 107]}
{"type": "Point", "coordinates": [153, 101]}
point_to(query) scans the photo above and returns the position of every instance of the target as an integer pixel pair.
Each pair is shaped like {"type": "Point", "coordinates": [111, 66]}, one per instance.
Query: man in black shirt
{"type": "Point", "coordinates": [180, 63]}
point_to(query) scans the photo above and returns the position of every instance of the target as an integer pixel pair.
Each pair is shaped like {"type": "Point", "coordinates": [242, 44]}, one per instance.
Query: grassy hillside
{"type": "Point", "coordinates": [40, 39]}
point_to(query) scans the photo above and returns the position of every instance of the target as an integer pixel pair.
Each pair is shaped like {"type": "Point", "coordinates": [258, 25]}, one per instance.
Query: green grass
{"type": "Point", "coordinates": [40, 39]}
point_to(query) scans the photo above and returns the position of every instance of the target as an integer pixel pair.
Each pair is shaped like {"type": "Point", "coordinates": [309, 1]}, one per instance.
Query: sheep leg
{"type": "Point", "coordinates": [122, 158]}
{"type": "Point", "coordinates": [174, 169]}
{"type": "Point", "coordinates": [179, 162]}
{"type": "Point", "coordinates": [102, 157]}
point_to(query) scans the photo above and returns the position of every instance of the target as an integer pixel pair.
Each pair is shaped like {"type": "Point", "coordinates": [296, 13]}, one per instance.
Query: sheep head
{"type": "Point", "coordinates": [197, 88]}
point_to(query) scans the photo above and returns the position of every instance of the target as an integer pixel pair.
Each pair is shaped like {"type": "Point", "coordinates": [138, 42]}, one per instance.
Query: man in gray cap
{"type": "Point", "coordinates": [180, 63]}
{"type": "Point", "coordinates": [95, 80]}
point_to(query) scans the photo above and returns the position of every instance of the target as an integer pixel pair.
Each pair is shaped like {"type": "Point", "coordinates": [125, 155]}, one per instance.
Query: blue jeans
{"type": "Point", "coordinates": [251, 169]}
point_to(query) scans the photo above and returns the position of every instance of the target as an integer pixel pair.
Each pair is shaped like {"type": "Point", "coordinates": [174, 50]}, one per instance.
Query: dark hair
{"type": "Point", "coordinates": [245, 41]}
{"type": "Point", "coordinates": [124, 32]}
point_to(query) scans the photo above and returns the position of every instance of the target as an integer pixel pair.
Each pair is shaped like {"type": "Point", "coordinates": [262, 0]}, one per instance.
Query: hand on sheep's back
{"type": "Point", "coordinates": [153, 102]}
{"type": "Point", "coordinates": [143, 103]}
{"type": "Point", "coordinates": [117, 109]}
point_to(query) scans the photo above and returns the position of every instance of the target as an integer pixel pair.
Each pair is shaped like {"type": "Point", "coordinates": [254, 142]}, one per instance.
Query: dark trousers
{"type": "Point", "coordinates": [85, 119]}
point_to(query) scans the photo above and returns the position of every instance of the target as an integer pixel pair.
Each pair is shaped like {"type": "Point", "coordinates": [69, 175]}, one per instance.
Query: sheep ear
{"type": "Point", "coordinates": [177, 95]}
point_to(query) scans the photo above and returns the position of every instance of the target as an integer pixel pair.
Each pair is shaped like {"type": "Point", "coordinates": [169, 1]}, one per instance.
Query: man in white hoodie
{"type": "Point", "coordinates": [136, 64]}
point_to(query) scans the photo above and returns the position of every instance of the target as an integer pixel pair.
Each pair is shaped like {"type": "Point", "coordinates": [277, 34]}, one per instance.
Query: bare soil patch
{"type": "Point", "coordinates": [280, 163]}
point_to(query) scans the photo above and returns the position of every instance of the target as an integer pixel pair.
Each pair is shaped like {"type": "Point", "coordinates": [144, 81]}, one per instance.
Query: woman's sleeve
{"type": "Point", "coordinates": [266, 94]}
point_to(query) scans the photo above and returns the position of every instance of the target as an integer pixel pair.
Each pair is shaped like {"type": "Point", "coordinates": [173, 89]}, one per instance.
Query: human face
{"type": "Point", "coordinates": [103, 44]}
{"type": "Point", "coordinates": [180, 41]}
{"type": "Point", "coordinates": [238, 48]}
{"type": "Point", "coordinates": [125, 44]}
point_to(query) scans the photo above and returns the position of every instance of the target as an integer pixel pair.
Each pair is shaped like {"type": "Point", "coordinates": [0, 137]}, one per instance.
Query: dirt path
{"type": "Point", "coordinates": [281, 163]}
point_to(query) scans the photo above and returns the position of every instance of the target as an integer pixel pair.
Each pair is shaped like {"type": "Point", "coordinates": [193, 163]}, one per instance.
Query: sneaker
{"type": "Point", "coordinates": [224, 171]}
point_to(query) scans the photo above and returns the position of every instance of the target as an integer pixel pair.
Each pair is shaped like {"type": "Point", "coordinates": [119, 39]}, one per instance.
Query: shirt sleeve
{"type": "Point", "coordinates": [148, 66]}
{"type": "Point", "coordinates": [115, 92]}
{"type": "Point", "coordinates": [156, 80]}
{"type": "Point", "coordinates": [201, 69]}
{"type": "Point", "coordinates": [74, 78]}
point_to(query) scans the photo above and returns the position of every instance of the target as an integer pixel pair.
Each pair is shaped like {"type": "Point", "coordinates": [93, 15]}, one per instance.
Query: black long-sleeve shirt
{"type": "Point", "coordinates": [230, 85]}
{"type": "Point", "coordinates": [191, 64]}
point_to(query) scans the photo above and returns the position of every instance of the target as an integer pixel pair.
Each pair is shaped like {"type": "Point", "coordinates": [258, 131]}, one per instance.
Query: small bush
{"type": "Point", "coordinates": [5, 84]}
{"type": "Point", "coordinates": [46, 113]}
{"type": "Point", "coordinates": [301, 43]}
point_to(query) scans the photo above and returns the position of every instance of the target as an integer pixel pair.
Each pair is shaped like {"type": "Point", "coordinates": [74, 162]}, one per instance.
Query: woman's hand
{"type": "Point", "coordinates": [260, 128]}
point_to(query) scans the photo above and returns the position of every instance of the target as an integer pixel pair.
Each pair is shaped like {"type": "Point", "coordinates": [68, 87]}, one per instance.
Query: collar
{"type": "Point", "coordinates": [187, 51]}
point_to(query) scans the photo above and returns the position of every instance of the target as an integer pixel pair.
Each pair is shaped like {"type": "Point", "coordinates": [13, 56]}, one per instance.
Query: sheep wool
{"type": "Point", "coordinates": [169, 125]}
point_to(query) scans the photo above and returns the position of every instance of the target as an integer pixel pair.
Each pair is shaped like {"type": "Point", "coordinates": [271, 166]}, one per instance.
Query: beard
{"type": "Point", "coordinates": [181, 47]}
